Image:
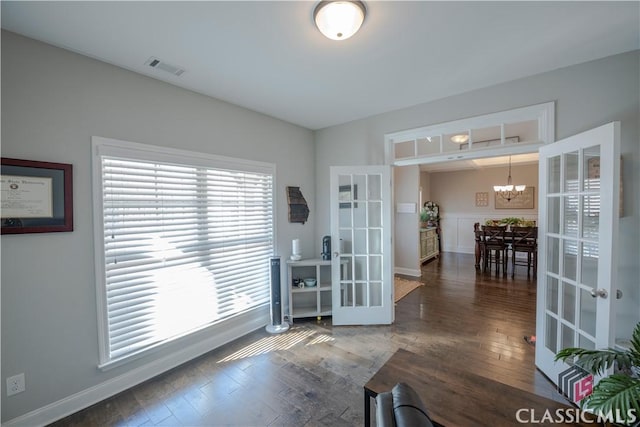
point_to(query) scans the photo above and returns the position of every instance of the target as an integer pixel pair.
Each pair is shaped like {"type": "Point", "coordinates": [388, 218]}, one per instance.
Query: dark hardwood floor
{"type": "Point", "coordinates": [313, 375]}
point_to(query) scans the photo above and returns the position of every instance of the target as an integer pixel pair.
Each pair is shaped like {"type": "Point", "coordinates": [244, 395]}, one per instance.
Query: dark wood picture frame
{"type": "Point", "coordinates": [60, 177]}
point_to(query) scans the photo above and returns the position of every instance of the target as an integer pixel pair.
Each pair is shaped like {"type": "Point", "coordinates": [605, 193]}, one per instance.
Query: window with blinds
{"type": "Point", "coordinates": [183, 245]}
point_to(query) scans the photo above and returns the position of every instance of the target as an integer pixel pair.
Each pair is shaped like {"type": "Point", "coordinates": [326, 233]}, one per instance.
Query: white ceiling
{"type": "Point", "coordinates": [487, 162]}
{"type": "Point", "coordinates": [269, 57]}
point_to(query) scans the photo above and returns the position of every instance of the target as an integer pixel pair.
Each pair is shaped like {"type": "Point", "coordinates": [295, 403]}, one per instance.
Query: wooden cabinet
{"type": "Point", "coordinates": [305, 301]}
{"type": "Point", "coordinates": [429, 244]}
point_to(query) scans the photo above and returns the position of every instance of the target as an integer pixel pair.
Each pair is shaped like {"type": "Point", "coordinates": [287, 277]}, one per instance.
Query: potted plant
{"type": "Point", "coordinates": [432, 213]}
{"type": "Point", "coordinates": [618, 393]}
{"type": "Point", "coordinates": [425, 217]}
{"type": "Point", "coordinates": [511, 221]}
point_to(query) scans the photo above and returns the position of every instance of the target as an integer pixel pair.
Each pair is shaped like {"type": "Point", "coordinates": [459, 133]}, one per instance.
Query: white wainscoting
{"type": "Point", "coordinates": [457, 229]}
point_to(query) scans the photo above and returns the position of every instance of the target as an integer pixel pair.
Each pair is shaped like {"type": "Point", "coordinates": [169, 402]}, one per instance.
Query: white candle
{"type": "Point", "coordinates": [295, 246]}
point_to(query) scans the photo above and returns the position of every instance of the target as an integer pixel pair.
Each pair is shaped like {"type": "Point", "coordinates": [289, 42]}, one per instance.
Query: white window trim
{"type": "Point", "coordinates": [112, 147]}
{"type": "Point", "coordinates": [543, 113]}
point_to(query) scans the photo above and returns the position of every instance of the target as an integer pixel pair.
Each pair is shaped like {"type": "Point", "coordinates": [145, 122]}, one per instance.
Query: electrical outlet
{"type": "Point", "coordinates": [15, 384]}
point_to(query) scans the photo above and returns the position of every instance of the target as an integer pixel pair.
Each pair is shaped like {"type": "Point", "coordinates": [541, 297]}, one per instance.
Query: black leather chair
{"type": "Point", "coordinates": [401, 407]}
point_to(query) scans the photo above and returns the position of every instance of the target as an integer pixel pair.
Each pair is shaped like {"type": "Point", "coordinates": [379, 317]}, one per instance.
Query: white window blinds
{"type": "Point", "coordinates": [184, 246]}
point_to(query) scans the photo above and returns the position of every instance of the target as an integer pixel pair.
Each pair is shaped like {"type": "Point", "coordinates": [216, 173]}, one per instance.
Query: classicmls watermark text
{"type": "Point", "coordinates": [576, 384]}
{"type": "Point", "coordinates": [574, 415]}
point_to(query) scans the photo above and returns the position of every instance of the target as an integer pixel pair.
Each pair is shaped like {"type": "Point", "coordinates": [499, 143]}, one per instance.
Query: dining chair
{"type": "Point", "coordinates": [524, 240]}
{"type": "Point", "coordinates": [477, 232]}
{"type": "Point", "coordinates": [494, 247]}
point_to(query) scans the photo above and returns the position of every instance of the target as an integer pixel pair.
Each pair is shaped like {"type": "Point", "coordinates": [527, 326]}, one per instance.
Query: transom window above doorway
{"type": "Point", "coordinates": [521, 130]}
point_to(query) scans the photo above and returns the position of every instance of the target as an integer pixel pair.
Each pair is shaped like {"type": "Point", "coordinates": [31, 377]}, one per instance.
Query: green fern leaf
{"type": "Point", "coordinates": [596, 361]}
{"type": "Point", "coordinates": [617, 394]}
{"type": "Point", "coordinates": [635, 346]}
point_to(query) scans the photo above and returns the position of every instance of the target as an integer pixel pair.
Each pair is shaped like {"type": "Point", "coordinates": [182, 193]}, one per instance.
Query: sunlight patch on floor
{"type": "Point", "coordinates": [320, 339]}
{"type": "Point", "coordinates": [283, 341]}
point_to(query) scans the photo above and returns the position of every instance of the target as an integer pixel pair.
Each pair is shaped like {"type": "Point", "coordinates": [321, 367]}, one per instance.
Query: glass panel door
{"type": "Point", "coordinates": [362, 279]}
{"type": "Point", "coordinates": [578, 229]}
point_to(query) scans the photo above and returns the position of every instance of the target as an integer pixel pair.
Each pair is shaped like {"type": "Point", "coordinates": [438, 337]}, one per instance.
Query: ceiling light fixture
{"type": "Point", "coordinates": [339, 20]}
{"type": "Point", "coordinates": [509, 191]}
{"type": "Point", "coordinates": [460, 139]}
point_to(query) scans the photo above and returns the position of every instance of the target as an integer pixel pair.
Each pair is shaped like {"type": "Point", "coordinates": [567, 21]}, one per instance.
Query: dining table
{"type": "Point", "coordinates": [508, 236]}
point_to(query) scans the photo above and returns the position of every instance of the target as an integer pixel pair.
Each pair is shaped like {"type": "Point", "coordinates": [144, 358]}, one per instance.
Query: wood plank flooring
{"type": "Point", "coordinates": [313, 375]}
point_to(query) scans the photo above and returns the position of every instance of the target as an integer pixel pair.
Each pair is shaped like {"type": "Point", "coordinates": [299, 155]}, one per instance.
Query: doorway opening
{"type": "Point", "coordinates": [474, 143]}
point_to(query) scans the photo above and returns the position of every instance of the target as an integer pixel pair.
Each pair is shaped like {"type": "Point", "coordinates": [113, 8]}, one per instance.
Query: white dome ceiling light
{"type": "Point", "coordinates": [339, 20]}
{"type": "Point", "coordinates": [460, 139]}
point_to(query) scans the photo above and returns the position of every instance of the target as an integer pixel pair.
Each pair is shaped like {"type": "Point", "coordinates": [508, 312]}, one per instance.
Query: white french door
{"type": "Point", "coordinates": [362, 278]}
{"type": "Point", "coordinates": [579, 180]}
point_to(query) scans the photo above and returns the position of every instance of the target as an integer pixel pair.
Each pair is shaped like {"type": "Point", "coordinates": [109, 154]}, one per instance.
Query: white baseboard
{"type": "Point", "coordinates": [459, 250]}
{"type": "Point", "coordinates": [407, 271]}
{"type": "Point", "coordinates": [240, 326]}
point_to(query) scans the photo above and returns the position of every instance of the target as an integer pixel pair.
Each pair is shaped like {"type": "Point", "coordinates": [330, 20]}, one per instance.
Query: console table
{"type": "Point", "coordinates": [454, 396]}
{"type": "Point", "coordinates": [429, 244]}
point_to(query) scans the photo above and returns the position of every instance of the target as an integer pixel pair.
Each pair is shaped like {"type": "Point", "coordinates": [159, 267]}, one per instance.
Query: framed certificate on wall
{"type": "Point", "coordinates": [36, 197]}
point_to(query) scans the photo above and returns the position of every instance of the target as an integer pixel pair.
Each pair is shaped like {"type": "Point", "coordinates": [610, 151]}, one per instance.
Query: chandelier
{"type": "Point", "coordinates": [509, 191]}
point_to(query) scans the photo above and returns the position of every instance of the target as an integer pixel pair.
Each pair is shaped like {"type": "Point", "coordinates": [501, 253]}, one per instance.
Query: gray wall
{"type": "Point", "coordinates": [586, 96]}
{"type": "Point", "coordinates": [455, 192]}
{"type": "Point", "coordinates": [53, 101]}
{"type": "Point", "coordinates": [406, 182]}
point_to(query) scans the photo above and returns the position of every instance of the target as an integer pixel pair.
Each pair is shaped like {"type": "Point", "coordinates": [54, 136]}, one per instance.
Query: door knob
{"type": "Point", "coordinates": [336, 254]}
{"type": "Point", "coordinates": [602, 293]}
{"type": "Point", "coordinates": [618, 294]}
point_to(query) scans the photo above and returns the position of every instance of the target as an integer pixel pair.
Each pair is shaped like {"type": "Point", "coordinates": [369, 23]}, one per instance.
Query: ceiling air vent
{"type": "Point", "coordinates": [161, 65]}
